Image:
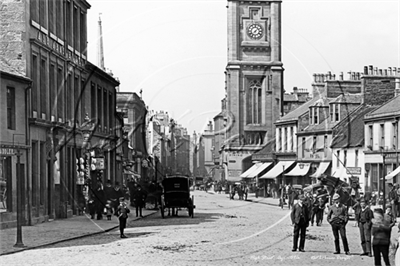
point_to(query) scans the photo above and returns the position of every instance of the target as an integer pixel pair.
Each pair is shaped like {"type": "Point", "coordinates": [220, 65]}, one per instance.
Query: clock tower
{"type": "Point", "coordinates": [254, 77]}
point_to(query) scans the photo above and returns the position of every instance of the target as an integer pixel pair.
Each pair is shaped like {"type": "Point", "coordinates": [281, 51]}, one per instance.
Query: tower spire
{"type": "Point", "coordinates": [100, 52]}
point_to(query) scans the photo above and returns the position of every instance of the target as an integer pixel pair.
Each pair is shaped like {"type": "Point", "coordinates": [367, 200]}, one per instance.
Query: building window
{"type": "Point", "coordinates": [70, 101]}
{"type": "Point", "coordinates": [279, 139]}
{"type": "Point", "coordinates": [292, 136]}
{"type": "Point", "coordinates": [42, 13]}
{"type": "Point", "coordinates": [325, 146]}
{"type": "Point", "coordinates": [314, 144]}
{"type": "Point", "coordinates": [34, 10]}
{"type": "Point", "coordinates": [59, 19]}
{"type": "Point", "coordinates": [254, 102]}
{"type": "Point", "coordinates": [60, 94]}
{"type": "Point", "coordinates": [82, 100]}
{"type": "Point", "coordinates": [285, 139]}
{"type": "Point", "coordinates": [82, 25]}
{"type": "Point", "coordinates": [337, 118]}
{"type": "Point", "coordinates": [43, 86]}
{"type": "Point", "coordinates": [303, 147]}
{"type": "Point", "coordinates": [338, 159]}
{"type": "Point", "coordinates": [371, 136]}
{"type": "Point", "coordinates": [69, 23]}
{"type": "Point", "coordinates": [11, 108]}
{"type": "Point", "coordinates": [52, 23]}
{"type": "Point", "coordinates": [332, 108]}
{"type": "Point", "coordinates": [93, 101]}
{"type": "Point", "coordinates": [316, 116]}
{"type": "Point", "coordinates": [6, 181]}
{"type": "Point", "coordinates": [76, 28]}
{"type": "Point", "coordinates": [35, 87]}
{"type": "Point", "coordinates": [382, 129]}
{"type": "Point", "coordinates": [356, 159]}
{"type": "Point", "coordinates": [100, 108]}
{"type": "Point", "coordinates": [345, 158]}
{"type": "Point", "coordinates": [394, 132]}
{"type": "Point", "coordinates": [310, 115]}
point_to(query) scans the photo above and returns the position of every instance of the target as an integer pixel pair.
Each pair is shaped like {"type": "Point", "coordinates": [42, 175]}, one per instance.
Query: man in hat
{"type": "Point", "coordinates": [122, 214]}
{"type": "Point", "coordinates": [364, 218]}
{"type": "Point", "coordinates": [393, 199]}
{"type": "Point", "coordinates": [300, 221]}
{"type": "Point", "coordinates": [338, 218]}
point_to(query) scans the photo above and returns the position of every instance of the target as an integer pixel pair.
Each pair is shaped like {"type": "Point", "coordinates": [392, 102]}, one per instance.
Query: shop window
{"type": "Point", "coordinates": [5, 184]}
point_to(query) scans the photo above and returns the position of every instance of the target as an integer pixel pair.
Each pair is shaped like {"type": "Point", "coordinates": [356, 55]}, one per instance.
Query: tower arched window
{"type": "Point", "coordinates": [254, 102]}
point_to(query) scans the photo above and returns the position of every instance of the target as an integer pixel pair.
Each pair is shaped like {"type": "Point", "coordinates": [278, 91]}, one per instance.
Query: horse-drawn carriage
{"type": "Point", "coordinates": [176, 195]}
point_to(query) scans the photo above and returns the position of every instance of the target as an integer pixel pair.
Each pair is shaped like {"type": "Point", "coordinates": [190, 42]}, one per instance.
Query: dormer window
{"type": "Point", "coordinates": [314, 115]}
{"type": "Point", "coordinates": [337, 118]}
{"type": "Point", "coordinates": [334, 112]}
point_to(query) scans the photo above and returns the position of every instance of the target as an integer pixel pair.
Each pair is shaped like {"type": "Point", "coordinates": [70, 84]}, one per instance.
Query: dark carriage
{"type": "Point", "coordinates": [176, 195]}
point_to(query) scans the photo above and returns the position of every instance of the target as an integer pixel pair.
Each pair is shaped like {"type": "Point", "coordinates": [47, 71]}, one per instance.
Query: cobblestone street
{"type": "Point", "coordinates": [222, 232]}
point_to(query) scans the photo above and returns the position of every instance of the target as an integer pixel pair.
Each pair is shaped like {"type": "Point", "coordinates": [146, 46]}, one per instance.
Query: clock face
{"type": "Point", "coordinates": [255, 31]}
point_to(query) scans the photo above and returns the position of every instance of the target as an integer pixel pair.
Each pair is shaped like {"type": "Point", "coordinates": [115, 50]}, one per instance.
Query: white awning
{"type": "Point", "coordinates": [250, 170]}
{"type": "Point", "coordinates": [259, 170]}
{"type": "Point", "coordinates": [234, 178]}
{"type": "Point", "coordinates": [301, 169]}
{"type": "Point", "coordinates": [277, 169]}
{"type": "Point", "coordinates": [323, 166]}
{"type": "Point", "coordinates": [393, 173]}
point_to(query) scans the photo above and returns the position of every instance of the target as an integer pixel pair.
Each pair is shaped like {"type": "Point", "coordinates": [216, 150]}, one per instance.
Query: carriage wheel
{"type": "Point", "coordinates": [190, 207]}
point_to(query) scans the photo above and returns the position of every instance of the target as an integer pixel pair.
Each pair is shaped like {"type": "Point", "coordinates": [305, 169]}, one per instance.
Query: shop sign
{"type": "Point", "coordinates": [7, 151]}
{"type": "Point", "coordinates": [353, 170]}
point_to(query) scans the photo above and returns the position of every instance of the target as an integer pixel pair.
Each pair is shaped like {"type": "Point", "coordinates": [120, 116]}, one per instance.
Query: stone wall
{"type": "Point", "coordinates": [13, 34]}
{"type": "Point", "coordinates": [377, 91]}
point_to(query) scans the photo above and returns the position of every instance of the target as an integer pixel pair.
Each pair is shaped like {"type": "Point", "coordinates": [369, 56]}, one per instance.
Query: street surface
{"type": "Point", "coordinates": [222, 232]}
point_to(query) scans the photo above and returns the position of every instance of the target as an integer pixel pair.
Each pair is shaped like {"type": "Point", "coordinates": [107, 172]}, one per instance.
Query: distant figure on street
{"type": "Point", "coordinates": [364, 218]}
{"type": "Point", "coordinates": [338, 218]}
{"type": "Point", "coordinates": [122, 214]}
{"type": "Point", "coordinates": [381, 237]}
{"type": "Point", "coordinates": [118, 193]}
{"type": "Point", "coordinates": [320, 212]}
{"type": "Point", "coordinates": [140, 198]}
{"type": "Point", "coordinates": [99, 200]}
{"type": "Point", "coordinates": [109, 210]}
{"type": "Point", "coordinates": [300, 221]}
{"type": "Point", "coordinates": [393, 198]}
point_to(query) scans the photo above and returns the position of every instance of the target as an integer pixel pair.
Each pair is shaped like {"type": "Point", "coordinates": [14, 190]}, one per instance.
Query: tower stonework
{"type": "Point", "coordinates": [254, 76]}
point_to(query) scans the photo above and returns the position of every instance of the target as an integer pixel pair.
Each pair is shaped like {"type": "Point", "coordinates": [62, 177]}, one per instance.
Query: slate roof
{"type": "Point", "coordinates": [350, 132]}
{"type": "Point", "coordinates": [290, 98]}
{"type": "Point", "coordinates": [296, 113]}
{"type": "Point", "coordinates": [268, 148]}
{"type": "Point", "coordinates": [391, 107]}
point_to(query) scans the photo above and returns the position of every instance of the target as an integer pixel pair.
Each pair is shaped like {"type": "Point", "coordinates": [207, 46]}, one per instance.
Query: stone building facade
{"type": "Point", "coordinates": [47, 42]}
{"type": "Point", "coordinates": [254, 80]}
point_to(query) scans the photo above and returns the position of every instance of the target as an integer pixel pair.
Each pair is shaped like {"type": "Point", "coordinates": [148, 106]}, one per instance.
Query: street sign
{"type": "Point", "coordinates": [353, 170]}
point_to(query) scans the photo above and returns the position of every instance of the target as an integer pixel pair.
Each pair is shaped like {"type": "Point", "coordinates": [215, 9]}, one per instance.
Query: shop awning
{"type": "Point", "coordinates": [250, 170]}
{"type": "Point", "coordinates": [277, 170]}
{"type": "Point", "coordinates": [301, 169]}
{"type": "Point", "coordinates": [323, 166]}
{"type": "Point", "coordinates": [393, 173]}
{"type": "Point", "coordinates": [259, 170]}
{"type": "Point", "coordinates": [234, 179]}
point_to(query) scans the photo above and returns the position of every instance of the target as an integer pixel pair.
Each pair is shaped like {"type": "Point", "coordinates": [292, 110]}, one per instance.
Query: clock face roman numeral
{"type": "Point", "coordinates": [255, 31]}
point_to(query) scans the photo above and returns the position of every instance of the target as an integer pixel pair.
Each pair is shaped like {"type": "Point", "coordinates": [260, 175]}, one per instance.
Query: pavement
{"type": "Point", "coordinates": [59, 230]}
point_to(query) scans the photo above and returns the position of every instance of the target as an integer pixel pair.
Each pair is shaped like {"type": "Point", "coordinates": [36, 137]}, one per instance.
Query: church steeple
{"type": "Point", "coordinates": [100, 51]}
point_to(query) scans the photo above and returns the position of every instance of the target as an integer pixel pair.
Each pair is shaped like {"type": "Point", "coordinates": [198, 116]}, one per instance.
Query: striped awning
{"type": "Point", "coordinates": [301, 169]}
{"type": "Point", "coordinates": [277, 170]}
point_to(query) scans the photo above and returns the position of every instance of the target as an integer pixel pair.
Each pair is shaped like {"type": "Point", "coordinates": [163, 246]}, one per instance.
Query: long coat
{"type": "Point", "coordinates": [297, 211]}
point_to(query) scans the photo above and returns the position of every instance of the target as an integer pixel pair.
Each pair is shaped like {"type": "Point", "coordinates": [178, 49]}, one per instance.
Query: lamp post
{"type": "Point", "coordinates": [20, 193]}
{"type": "Point", "coordinates": [384, 177]}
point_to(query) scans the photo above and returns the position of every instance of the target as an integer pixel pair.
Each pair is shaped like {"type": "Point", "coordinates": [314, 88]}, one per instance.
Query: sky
{"type": "Point", "coordinates": [176, 51]}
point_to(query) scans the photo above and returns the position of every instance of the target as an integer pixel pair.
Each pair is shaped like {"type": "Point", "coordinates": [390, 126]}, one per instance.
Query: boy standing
{"type": "Point", "coordinates": [122, 214]}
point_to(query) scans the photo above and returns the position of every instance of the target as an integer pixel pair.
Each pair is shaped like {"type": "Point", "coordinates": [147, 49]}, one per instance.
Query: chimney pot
{"type": "Point", "coordinates": [341, 76]}
{"type": "Point", "coordinates": [390, 71]}
{"type": "Point", "coordinates": [371, 70]}
{"type": "Point", "coordinates": [365, 70]}
{"type": "Point", "coordinates": [376, 71]}
{"type": "Point", "coordinates": [385, 72]}
{"type": "Point", "coordinates": [334, 77]}
{"type": "Point", "coordinates": [380, 72]}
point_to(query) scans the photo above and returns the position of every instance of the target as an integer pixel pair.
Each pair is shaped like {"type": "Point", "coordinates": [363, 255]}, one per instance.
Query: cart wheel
{"type": "Point", "coordinates": [190, 208]}
{"type": "Point", "coordinates": [162, 207]}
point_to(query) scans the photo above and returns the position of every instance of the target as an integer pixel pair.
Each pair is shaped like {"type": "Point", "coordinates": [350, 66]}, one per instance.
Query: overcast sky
{"type": "Point", "coordinates": [176, 51]}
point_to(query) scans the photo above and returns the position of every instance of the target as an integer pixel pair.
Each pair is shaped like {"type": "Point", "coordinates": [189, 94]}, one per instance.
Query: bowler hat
{"type": "Point", "coordinates": [302, 197]}
{"type": "Point", "coordinates": [336, 196]}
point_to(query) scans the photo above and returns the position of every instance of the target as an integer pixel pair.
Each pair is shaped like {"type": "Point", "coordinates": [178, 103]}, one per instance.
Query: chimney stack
{"type": "Point", "coordinates": [341, 76]}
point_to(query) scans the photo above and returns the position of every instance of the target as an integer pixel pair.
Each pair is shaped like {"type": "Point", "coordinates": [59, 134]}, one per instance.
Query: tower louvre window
{"type": "Point", "coordinates": [254, 102]}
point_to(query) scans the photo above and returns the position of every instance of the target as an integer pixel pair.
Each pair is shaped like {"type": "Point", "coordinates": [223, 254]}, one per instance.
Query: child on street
{"type": "Point", "coordinates": [122, 214]}
{"type": "Point", "coordinates": [109, 210]}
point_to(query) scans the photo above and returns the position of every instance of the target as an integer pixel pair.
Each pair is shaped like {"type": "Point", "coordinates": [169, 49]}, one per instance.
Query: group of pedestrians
{"type": "Point", "coordinates": [374, 227]}
{"type": "Point", "coordinates": [241, 190]}
{"type": "Point", "coordinates": [109, 200]}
